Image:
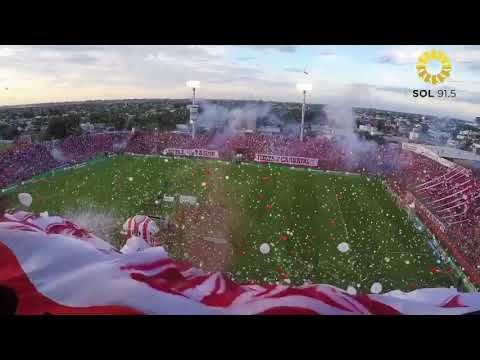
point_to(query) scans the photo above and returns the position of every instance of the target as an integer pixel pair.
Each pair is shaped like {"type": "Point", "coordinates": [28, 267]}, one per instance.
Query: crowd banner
{"type": "Point", "coordinates": [290, 160]}
{"type": "Point", "coordinates": [192, 152]}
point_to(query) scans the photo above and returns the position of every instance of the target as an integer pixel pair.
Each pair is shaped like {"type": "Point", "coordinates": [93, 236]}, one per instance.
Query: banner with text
{"type": "Point", "coordinates": [192, 152]}
{"type": "Point", "coordinates": [290, 160]}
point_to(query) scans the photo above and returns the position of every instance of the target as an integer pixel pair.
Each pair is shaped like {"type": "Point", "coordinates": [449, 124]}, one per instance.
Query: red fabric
{"type": "Point", "coordinates": [31, 302]}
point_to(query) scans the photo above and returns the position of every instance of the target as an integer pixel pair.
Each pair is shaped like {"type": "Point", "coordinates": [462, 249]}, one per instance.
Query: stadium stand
{"type": "Point", "coordinates": [446, 196]}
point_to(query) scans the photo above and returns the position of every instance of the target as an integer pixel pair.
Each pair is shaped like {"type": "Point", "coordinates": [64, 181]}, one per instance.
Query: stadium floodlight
{"type": "Point", "coordinates": [193, 84]}
{"type": "Point", "coordinates": [303, 87]}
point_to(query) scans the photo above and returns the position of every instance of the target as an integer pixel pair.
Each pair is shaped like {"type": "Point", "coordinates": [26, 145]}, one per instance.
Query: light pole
{"type": "Point", "coordinates": [193, 108]}
{"type": "Point", "coordinates": [303, 87]}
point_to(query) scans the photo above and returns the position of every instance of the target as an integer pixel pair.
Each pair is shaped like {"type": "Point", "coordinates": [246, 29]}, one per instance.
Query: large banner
{"type": "Point", "coordinates": [192, 152]}
{"type": "Point", "coordinates": [50, 265]}
{"type": "Point", "coordinates": [290, 160]}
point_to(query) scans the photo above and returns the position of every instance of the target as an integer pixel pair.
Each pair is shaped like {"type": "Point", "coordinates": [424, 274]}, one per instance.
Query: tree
{"type": "Point", "coordinates": [72, 125]}
{"type": "Point", "coordinates": [119, 122]}
{"type": "Point", "coordinates": [357, 123]}
{"type": "Point", "coordinates": [28, 114]}
{"type": "Point", "coordinates": [56, 128]}
{"type": "Point", "coordinates": [166, 121]}
{"type": "Point", "coordinates": [8, 132]}
{"type": "Point", "coordinates": [381, 125]}
{"type": "Point", "coordinates": [99, 117]}
{"type": "Point", "coordinates": [54, 112]}
{"type": "Point", "coordinates": [467, 146]}
{"type": "Point", "coordinates": [61, 127]}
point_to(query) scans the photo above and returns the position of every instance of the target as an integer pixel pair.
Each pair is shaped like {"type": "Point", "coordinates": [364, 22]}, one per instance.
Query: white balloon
{"type": "Point", "coordinates": [264, 248]}
{"type": "Point", "coordinates": [44, 214]}
{"type": "Point", "coordinates": [351, 290]}
{"type": "Point", "coordinates": [25, 199]}
{"type": "Point", "coordinates": [376, 288]}
{"type": "Point", "coordinates": [343, 247]}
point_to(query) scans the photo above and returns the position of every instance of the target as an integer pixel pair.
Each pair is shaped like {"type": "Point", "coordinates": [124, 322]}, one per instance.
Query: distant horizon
{"type": "Point", "coordinates": [367, 76]}
{"type": "Point", "coordinates": [214, 99]}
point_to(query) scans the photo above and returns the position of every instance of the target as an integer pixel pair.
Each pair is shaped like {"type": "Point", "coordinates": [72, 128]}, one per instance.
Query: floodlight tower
{"type": "Point", "coordinates": [193, 108]}
{"type": "Point", "coordinates": [303, 87]}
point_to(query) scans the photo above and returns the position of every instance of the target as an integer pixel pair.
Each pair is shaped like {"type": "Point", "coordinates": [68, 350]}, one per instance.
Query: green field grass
{"type": "Point", "coordinates": [262, 204]}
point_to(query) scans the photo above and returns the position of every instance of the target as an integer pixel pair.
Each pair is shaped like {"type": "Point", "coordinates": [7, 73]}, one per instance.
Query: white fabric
{"type": "Point", "coordinates": [134, 244]}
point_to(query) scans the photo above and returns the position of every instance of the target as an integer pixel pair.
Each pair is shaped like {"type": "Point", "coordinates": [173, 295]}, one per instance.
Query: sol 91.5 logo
{"type": "Point", "coordinates": [434, 67]}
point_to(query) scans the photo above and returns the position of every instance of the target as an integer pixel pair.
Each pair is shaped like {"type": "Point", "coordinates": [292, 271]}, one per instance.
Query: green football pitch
{"type": "Point", "coordinates": [303, 216]}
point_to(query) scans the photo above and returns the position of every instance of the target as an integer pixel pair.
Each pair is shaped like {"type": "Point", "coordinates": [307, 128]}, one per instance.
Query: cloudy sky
{"type": "Point", "coordinates": [374, 76]}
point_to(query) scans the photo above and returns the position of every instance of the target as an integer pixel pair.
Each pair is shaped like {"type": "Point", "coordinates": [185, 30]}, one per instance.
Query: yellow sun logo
{"type": "Point", "coordinates": [434, 55]}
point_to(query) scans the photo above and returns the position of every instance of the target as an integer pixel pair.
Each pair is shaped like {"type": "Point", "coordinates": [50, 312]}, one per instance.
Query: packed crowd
{"type": "Point", "coordinates": [448, 202]}
{"type": "Point", "coordinates": [333, 154]}
{"type": "Point", "coordinates": [451, 194]}
{"type": "Point", "coordinates": [82, 148]}
{"type": "Point", "coordinates": [23, 162]}
{"type": "Point", "coordinates": [155, 142]}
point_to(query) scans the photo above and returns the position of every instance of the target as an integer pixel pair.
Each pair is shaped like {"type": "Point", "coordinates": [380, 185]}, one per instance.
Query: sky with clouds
{"type": "Point", "coordinates": [371, 76]}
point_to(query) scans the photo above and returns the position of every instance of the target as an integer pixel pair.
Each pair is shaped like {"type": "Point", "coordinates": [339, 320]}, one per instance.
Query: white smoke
{"type": "Point", "coordinates": [120, 146]}
{"type": "Point", "coordinates": [341, 115]}
{"type": "Point", "coordinates": [103, 224]}
{"type": "Point", "coordinates": [212, 115]}
{"type": "Point", "coordinates": [230, 121]}
{"type": "Point", "coordinates": [341, 118]}
{"type": "Point", "coordinates": [58, 155]}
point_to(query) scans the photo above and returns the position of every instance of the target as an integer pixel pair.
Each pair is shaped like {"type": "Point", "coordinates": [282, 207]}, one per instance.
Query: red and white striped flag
{"type": "Point", "coordinates": [55, 267]}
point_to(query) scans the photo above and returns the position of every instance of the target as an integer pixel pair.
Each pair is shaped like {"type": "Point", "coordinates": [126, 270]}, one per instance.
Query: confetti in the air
{"type": "Point", "coordinates": [264, 248]}
{"type": "Point", "coordinates": [351, 290]}
{"type": "Point", "coordinates": [343, 247]}
{"type": "Point", "coordinates": [25, 199]}
{"type": "Point", "coordinates": [376, 288]}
